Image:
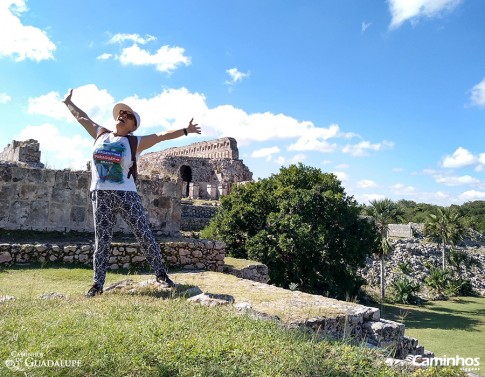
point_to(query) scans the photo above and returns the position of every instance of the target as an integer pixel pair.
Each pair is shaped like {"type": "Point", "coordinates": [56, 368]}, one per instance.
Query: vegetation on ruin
{"type": "Point", "coordinates": [142, 335]}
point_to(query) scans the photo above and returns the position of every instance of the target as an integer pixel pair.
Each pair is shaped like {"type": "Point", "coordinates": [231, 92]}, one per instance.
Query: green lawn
{"type": "Point", "coordinates": [143, 335]}
{"type": "Point", "coordinates": [453, 327]}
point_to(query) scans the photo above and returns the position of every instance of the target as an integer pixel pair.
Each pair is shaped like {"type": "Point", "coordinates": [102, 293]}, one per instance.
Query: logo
{"type": "Point", "coordinates": [468, 364]}
{"type": "Point", "coordinates": [23, 361]}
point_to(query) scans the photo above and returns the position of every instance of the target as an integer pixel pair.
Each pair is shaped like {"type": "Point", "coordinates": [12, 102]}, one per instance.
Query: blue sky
{"type": "Point", "coordinates": [389, 95]}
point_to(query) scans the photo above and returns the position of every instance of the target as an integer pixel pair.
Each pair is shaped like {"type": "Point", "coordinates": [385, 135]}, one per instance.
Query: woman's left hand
{"type": "Point", "coordinates": [193, 128]}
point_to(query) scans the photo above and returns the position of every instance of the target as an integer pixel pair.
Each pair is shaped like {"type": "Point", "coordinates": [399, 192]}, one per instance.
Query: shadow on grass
{"type": "Point", "coordinates": [431, 318]}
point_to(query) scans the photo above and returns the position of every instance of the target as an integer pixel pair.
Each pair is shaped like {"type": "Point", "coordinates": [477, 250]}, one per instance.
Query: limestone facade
{"type": "Point", "coordinates": [204, 170]}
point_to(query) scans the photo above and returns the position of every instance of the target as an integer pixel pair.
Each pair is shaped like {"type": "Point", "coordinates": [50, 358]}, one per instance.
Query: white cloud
{"type": "Point", "coordinates": [342, 176]}
{"type": "Point", "coordinates": [166, 59]}
{"type": "Point", "coordinates": [366, 183]}
{"type": "Point", "coordinates": [58, 151]}
{"type": "Point", "coordinates": [362, 148]}
{"type": "Point", "coordinates": [365, 26]}
{"type": "Point", "coordinates": [4, 98]}
{"type": "Point", "coordinates": [400, 189]}
{"type": "Point", "coordinates": [315, 139]}
{"type": "Point", "coordinates": [429, 171]}
{"type": "Point", "coordinates": [297, 158]}
{"type": "Point", "coordinates": [265, 153]}
{"type": "Point", "coordinates": [472, 195]}
{"type": "Point", "coordinates": [460, 158]}
{"type": "Point", "coordinates": [478, 94]}
{"type": "Point", "coordinates": [403, 10]}
{"type": "Point", "coordinates": [121, 37]}
{"type": "Point", "coordinates": [97, 103]}
{"type": "Point", "coordinates": [22, 41]}
{"type": "Point", "coordinates": [457, 181]}
{"type": "Point", "coordinates": [236, 76]}
{"type": "Point", "coordinates": [173, 108]}
{"type": "Point", "coordinates": [481, 158]}
{"type": "Point", "coordinates": [104, 56]}
{"type": "Point", "coordinates": [397, 170]}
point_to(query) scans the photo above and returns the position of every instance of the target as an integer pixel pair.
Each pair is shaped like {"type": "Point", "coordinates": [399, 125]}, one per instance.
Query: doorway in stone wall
{"type": "Point", "coordinates": [186, 175]}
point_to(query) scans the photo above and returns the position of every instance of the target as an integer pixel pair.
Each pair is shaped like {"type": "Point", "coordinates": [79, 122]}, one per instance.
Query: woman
{"type": "Point", "coordinates": [113, 188]}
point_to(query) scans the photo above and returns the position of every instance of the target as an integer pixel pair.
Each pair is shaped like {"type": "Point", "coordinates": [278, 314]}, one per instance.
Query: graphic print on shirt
{"type": "Point", "coordinates": [107, 159]}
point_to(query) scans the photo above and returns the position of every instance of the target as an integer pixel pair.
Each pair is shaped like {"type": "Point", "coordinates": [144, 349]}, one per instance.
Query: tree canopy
{"type": "Point", "coordinates": [303, 226]}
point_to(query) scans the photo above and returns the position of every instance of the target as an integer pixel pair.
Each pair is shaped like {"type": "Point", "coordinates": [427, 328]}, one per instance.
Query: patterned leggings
{"type": "Point", "coordinates": [128, 204]}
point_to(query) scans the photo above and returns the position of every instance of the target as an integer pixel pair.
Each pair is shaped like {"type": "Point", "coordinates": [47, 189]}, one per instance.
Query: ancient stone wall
{"type": "Point", "coordinates": [215, 149]}
{"type": "Point", "coordinates": [199, 178]}
{"type": "Point", "coordinates": [26, 152]}
{"type": "Point", "coordinates": [196, 218]}
{"type": "Point", "coordinates": [58, 200]}
{"type": "Point", "coordinates": [187, 254]}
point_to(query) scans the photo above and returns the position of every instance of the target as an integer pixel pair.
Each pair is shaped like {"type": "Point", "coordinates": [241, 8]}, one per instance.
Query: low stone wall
{"type": "Point", "coordinates": [196, 218]}
{"type": "Point", "coordinates": [188, 254]}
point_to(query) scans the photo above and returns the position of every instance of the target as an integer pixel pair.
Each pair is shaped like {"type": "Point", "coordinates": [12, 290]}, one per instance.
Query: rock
{"type": "Point", "coordinates": [6, 298]}
{"type": "Point", "coordinates": [5, 257]}
{"type": "Point", "coordinates": [211, 300]}
{"type": "Point", "coordinates": [52, 295]}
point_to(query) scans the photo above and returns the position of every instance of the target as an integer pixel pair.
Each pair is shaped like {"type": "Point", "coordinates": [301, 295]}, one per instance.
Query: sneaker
{"type": "Point", "coordinates": [163, 278]}
{"type": "Point", "coordinates": [95, 290]}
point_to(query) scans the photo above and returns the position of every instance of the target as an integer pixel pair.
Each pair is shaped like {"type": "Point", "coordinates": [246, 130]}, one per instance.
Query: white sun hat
{"type": "Point", "coordinates": [121, 106]}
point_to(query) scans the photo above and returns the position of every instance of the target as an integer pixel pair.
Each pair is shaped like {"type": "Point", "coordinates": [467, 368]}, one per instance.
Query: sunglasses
{"type": "Point", "coordinates": [127, 114]}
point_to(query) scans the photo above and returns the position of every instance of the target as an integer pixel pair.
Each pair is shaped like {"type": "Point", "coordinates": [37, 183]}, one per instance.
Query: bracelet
{"type": "Point", "coordinates": [185, 131]}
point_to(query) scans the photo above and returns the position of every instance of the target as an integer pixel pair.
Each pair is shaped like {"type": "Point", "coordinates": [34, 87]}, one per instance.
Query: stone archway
{"type": "Point", "coordinates": [186, 175]}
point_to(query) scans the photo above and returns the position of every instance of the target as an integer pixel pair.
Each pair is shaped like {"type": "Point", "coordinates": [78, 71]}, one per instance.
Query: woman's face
{"type": "Point", "coordinates": [126, 122]}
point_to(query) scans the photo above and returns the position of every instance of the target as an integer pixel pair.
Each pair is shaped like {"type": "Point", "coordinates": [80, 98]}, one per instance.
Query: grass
{"type": "Point", "coordinates": [238, 263]}
{"type": "Point", "coordinates": [142, 335]}
{"type": "Point", "coordinates": [453, 327]}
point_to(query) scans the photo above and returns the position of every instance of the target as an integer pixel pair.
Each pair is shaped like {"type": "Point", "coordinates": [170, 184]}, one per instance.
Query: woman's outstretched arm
{"type": "Point", "coordinates": [81, 116]}
{"type": "Point", "coordinates": [149, 141]}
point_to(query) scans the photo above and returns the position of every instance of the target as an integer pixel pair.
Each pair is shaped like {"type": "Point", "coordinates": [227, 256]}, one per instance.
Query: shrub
{"type": "Point", "coordinates": [438, 279]}
{"type": "Point", "coordinates": [405, 267]}
{"type": "Point", "coordinates": [303, 226]}
{"type": "Point", "coordinates": [460, 287]}
{"type": "Point", "coordinates": [403, 290]}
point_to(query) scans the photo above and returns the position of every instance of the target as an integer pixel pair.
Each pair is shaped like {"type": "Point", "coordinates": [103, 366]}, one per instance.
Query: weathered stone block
{"type": "Point", "coordinates": [39, 211]}
{"type": "Point", "coordinates": [59, 215]}
{"type": "Point", "coordinates": [61, 195]}
{"type": "Point", "coordinates": [4, 210]}
{"type": "Point", "coordinates": [78, 214]}
{"type": "Point", "coordinates": [19, 212]}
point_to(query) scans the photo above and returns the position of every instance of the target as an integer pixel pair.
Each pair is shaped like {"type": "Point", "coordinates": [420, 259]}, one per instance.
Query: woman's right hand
{"type": "Point", "coordinates": [68, 97]}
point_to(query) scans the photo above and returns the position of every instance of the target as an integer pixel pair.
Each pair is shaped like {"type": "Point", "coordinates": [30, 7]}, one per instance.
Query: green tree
{"type": "Point", "coordinates": [384, 212]}
{"type": "Point", "coordinates": [473, 215]}
{"type": "Point", "coordinates": [302, 225]}
{"type": "Point", "coordinates": [444, 227]}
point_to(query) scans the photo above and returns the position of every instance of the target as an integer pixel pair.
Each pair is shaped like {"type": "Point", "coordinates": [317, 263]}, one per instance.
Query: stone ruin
{"type": "Point", "coordinates": [25, 153]}
{"type": "Point", "coordinates": [205, 170]}
{"type": "Point", "coordinates": [35, 198]}
{"type": "Point", "coordinates": [32, 197]}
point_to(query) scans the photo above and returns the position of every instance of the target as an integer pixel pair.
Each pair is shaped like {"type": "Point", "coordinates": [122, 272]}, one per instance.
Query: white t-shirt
{"type": "Point", "coordinates": [111, 162]}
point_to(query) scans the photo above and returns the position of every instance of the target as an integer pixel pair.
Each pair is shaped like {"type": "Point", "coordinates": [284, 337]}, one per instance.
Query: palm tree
{"type": "Point", "coordinates": [444, 227]}
{"type": "Point", "coordinates": [384, 211]}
